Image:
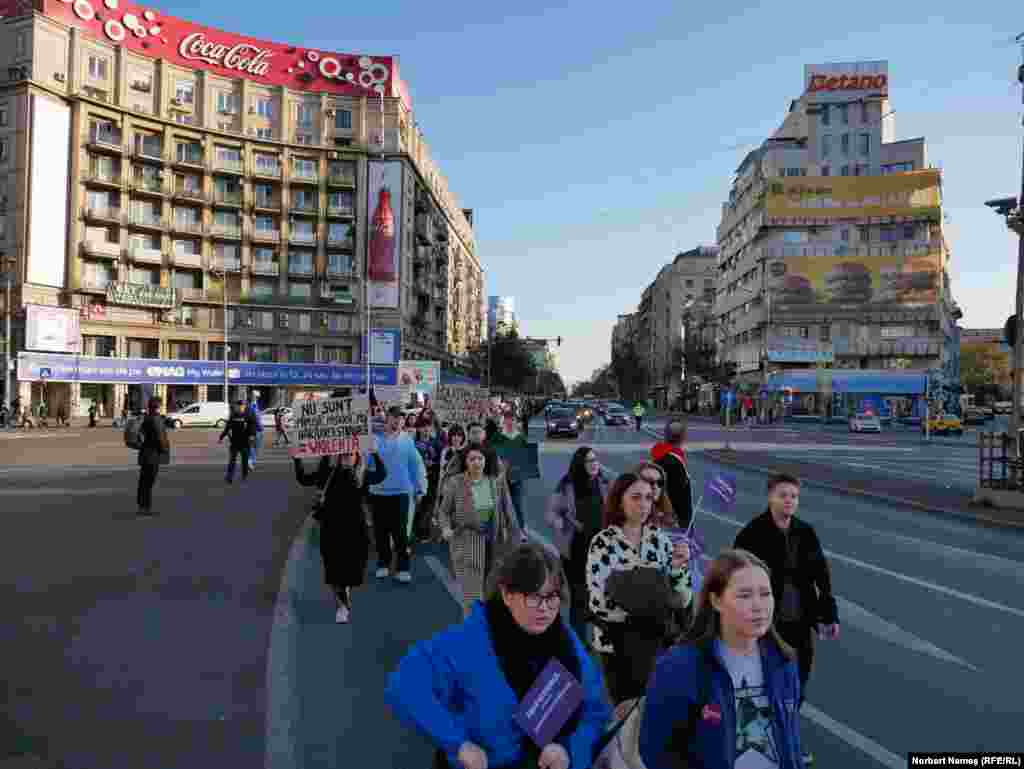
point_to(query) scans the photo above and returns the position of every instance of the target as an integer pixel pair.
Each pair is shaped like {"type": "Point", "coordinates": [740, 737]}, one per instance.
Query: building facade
{"type": "Point", "coordinates": [832, 252]}
{"type": "Point", "coordinates": [180, 186]}
{"type": "Point", "coordinates": [501, 316]}
{"type": "Point", "coordinates": [658, 330]}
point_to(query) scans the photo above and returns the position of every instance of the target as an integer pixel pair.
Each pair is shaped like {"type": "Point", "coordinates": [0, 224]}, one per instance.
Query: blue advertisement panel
{"type": "Point", "coordinates": [386, 346]}
{"type": "Point", "coordinates": [81, 368]}
{"type": "Point", "coordinates": [853, 381]}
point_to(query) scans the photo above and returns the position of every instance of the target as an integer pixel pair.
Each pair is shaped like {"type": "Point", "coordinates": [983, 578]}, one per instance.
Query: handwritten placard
{"type": "Point", "coordinates": [461, 404]}
{"type": "Point", "coordinates": [551, 702]}
{"type": "Point", "coordinates": [328, 426]}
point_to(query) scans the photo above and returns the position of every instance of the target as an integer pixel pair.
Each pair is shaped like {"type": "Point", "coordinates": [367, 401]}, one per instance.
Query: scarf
{"type": "Point", "coordinates": [522, 656]}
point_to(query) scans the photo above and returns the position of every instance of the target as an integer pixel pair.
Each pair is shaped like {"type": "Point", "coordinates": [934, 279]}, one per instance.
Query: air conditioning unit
{"type": "Point", "coordinates": [282, 320]}
{"type": "Point", "coordinates": [59, 77]}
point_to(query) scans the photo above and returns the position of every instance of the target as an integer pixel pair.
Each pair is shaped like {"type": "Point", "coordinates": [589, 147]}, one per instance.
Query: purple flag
{"type": "Point", "coordinates": [720, 492]}
{"type": "Point", "coordinates": [549, 704]}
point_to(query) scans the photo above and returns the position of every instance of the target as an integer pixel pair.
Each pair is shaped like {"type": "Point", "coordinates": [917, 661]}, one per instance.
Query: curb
{"type": "Point", "coordinates": [895, 501]}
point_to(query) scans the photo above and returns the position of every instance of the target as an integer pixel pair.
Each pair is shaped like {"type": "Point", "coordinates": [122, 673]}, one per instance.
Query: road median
{"type": "Point", "coordinates": [918, 495]}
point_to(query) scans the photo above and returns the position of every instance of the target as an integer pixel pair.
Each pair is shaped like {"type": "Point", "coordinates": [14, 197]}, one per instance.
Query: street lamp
{"type": "Point", "coordinates": [7, 265]}
{"type": "Point", "coordinates": [222, 273]}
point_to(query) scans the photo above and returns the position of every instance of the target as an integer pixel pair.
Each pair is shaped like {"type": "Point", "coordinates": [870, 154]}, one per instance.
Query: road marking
{"type": "Point", "coordinates": [445, 577]}
{"type": "Point", "coordinates": [853, 738]}
{"type": "Point", "coordinates": [949, 591]}
{"type": "Point", "coordinates": [49, 491]}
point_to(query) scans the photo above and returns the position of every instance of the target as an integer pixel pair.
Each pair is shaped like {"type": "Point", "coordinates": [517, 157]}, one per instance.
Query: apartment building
{"type": "Point", "coordinates": [182, 188]}
{"type": "Point", "coordinates": [501, 315]}
{"type": "Point", "coordinates": [832, 252]}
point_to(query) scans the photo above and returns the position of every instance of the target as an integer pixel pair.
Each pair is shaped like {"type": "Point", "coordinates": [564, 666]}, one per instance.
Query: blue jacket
{"type": "Point", "coordinates": [675, 684]}
{"type": "Point", "coordinates": [452, 689]}
{"type": "Point", "coordinates": [406, 472]}
{"type": "Point", "coordinates": [254, 409]}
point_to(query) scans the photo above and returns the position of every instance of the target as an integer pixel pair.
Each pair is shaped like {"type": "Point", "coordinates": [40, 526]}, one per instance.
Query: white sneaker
{"type": "Point", "coordinates": [341, 616]}
{"type": "Point", "coordinates": [404, 577]}
{"type": "Point", "coordinates": [383, 572]}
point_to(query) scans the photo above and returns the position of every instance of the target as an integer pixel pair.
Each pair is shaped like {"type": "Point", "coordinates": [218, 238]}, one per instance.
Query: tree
{"type": "Point", "coordinates": [630, 373]}
{"type": "Point", "coordinates": [511, 365]}
{"type": "Point", "coordinates": [984, 365]}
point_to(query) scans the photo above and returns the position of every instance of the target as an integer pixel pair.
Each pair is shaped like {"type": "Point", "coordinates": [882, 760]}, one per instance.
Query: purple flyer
{"type": "Point", "coordinates": [550, 703]}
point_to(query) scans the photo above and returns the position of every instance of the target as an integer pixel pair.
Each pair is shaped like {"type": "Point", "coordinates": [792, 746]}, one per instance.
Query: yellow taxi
{"type": "Point", "coordinates": [944, 424]}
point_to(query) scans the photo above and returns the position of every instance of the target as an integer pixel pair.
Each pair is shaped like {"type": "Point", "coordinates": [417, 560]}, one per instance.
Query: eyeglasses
{"type": "Point", "coordinates": [536, 600]}
{"type": "Point", "coordinates": [653, 481]}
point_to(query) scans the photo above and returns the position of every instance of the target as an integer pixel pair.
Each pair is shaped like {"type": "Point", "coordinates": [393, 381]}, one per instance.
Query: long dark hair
{"type": "Point", "coordinates": [577, 473]}
{"type": "Point", "coordinates": [707, 625]}
{"type": "Point", "coordinates": [490, 458]}
{"type": "Point", "coordinates": [614, 514]}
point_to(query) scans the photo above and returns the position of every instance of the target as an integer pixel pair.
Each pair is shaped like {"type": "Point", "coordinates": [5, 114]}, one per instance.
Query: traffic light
{"type": "Point", "coordinates": [559, 341]}
{"type": "Point", "coordinates": [1010, 331]}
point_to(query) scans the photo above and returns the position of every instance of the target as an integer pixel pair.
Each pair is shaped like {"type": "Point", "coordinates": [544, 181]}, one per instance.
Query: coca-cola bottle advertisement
{"type": "Point", "coordinates": [384, 241]}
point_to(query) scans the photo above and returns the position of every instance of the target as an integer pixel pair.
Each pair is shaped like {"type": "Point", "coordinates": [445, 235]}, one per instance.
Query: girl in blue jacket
{"type": "Point", "coordinates": [729, 696]}
{"type": "Point", "coordinates": [463, 687]}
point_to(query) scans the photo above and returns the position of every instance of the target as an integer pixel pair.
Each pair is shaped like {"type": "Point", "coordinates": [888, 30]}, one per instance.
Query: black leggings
{"type": "Point", "coordinates": [800, 636]}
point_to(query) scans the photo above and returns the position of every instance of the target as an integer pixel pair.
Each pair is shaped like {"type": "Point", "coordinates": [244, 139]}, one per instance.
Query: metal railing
{"type": "Point", "coordinates": [998, 468]}
{"type": "Point", "coordinates": [304, 238]}
{"type": "Point", "coordinates": [228, 199]}
{"type": "Point", "coordinates": [102, 248]}
{"type": "Point", "coordinates": [228, 263]}
{"type": "Point", "coordinates": [263, 267]}
{"type": "Point", "coordinates": [185, 259]}
{"type": "Point", "coordinates": [226, 230]}
{"type": "Point", "coordinates": [144, 254]}
{"type": "Point", "coordinates": [348, 211]}
{"type": "Point", "coordinates": [102, 213]}
{"type": "Point", "coordinates": [303, 175]}
{"type": "Point", "coordinates": [227, 164]}
{"type": "Point", "coordinates": [272, 236]}
{"type": "Point", "coordinates": [341, 179]}
{"type": "Point", "coordinates": [190, 226]}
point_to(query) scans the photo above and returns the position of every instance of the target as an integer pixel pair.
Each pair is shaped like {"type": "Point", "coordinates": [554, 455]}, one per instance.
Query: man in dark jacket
{"type": "Point", "coordinates": [801, 582]}
{"type": "Point", "coordinates": [154, 450]}
{"type": "Point", "coordinates": [670, 456]}
{"type": "Point", "coordinates": [241, 430]}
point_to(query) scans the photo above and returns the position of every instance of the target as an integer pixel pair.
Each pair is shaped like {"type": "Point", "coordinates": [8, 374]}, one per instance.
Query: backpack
{"type": "Point", "coordinates": [133, 433]}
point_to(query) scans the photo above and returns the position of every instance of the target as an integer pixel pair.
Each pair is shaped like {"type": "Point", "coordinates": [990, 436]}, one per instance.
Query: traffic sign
{"type": "Point", "coordinates": [44, 373]}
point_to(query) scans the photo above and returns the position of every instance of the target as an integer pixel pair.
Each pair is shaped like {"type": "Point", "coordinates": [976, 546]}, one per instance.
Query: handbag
{"type": "Point", "coordinates": [320, 505]}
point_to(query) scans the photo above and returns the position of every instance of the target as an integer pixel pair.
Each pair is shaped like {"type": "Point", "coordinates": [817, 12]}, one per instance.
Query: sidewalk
{"type": "Point", "coordinates": [920, 495]}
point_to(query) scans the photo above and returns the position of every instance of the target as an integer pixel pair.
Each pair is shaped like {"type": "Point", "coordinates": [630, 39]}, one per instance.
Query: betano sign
{"type": "Point", "coordinates": [819, 82]}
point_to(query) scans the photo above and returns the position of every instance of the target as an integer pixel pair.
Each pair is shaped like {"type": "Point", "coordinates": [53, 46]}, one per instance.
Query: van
{"type": "Point", "coordinates": [203, 414]}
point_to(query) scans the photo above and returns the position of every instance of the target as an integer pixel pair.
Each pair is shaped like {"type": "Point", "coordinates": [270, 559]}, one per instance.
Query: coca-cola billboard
{"type": "Point", "coordinates": [146, 31]}
{"type": "Point", "coordinates": [385, 235]}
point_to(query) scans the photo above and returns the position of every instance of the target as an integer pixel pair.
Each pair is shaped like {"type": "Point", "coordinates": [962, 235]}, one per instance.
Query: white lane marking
{"type": "Point", "coordinates": [445, 577]}
{"type": "Point", "coordinates": [853, 738]}
{"type": "Point", "coordinates": [890, 471]}
{"type": "Point", "coordinates": [283, 706]}
{"type": "Point", "coordinates": [952, 592]}
{"type": "Point", "coordinates": [856, 615]}
{"type": "Point", "coordinates": [52, 492]}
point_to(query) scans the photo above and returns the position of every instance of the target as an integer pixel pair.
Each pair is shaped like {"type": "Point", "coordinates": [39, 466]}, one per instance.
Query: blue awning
{"type": "Point", "coordinates": [859, 381]}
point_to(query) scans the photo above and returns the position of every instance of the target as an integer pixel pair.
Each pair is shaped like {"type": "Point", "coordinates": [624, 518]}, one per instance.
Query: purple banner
{"type": "Point", "coordinates": [549, 704]}
{"type": "Point", "coordinates": [720, 493]}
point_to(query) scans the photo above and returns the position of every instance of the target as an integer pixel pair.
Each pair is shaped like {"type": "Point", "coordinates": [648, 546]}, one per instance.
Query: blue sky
{"type": "Point", "coordinates": [595, 140]}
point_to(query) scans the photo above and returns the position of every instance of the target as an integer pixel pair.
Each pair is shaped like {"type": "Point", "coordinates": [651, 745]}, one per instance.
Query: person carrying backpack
{"type": "Point", "coordinates": [670, 456]}
{"type": "Point", "coordinates": [154, 450]}
{"type": "Point", "coordinates": [240, 431]}
{"type": "Point", "coordinates": [727, 696]}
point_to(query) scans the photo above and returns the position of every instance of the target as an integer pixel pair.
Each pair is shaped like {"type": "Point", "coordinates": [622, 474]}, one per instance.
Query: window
{"type": "Point", "coordinates": [186, 217]}
{"type": "Point", "coordinates": [304, 199]}
{"type": "Point", "coordinates": [338, 233]}
{"type": "Point", "coordinates": [303, 138]}
{"type": "Point", "coordinates": [863, 169]}
{"type": "Point", "coordinates": [145, 276]}
{"type": "Point", "coordinates": [97, 67]}
{"type": "Point", "coordinates": [303, 228]}
{"type": "Point", "coordinates": [190, 152]}
{"type": "Point", "coordinates": [888, 234]}
{"type": "Point", "coordinates": [305, 114]}
{"type": "Point", "coordinates": [4, 150]}
{"type": "Point", "coordinates": [305, 321]}
{"type": "Point", "coordinates": [264, 133]}
{"type": "Point", "coordinates": [343, 201]}
{"type": "Point", "coordinates": [804, 332]}
{"type": "Point", "coordinates": [300, 290]}
{"type": "Point", "coordinates": [864, 145]}
{"type": "Point", "coordinates": [865, 113]}
{"type": "Point", "coordinates": [227, 103]}
{"type": "Point", "coordinates": [844, 171]}
{"type": "Point", "coordinates": [21, 44]}
{"type": "Point", "coordinates": [262, 353]}
{"type": "Point", "coordinates": [98, 274]}
{"type": "Point", "coordinates": [826, 146]}
{"type": "Point", "coordinates": [336, 354]}
{"type": "Point", "coordinates": [228, 155]}
{"type": "Point", "coordinates": [826, 114]}
{"type": "Point", "coordinates": [794, 236]}
{"type": "Point", "coordinates": [184, 91]}
{"type": "Point", "coordinates": [339, 264]}
{"type": "Point", "coordinates": [227, 189]}
{"type": "Point", "coordinates": [263, 255]}
{"type": "Point", "coordinates": [263, 288]}
{"type": "Point", "coordinates": [896, 332]}
{"type": "Point", "coordinates": [266, 163]}
{"type": "Point", "coordinates": [188, 279]}
{"type": "Point", "coordinates": [301, 262]}
{"type": "Point", "coordinates": [844, 235]}
{"type": "Point", "coordinates": [302, 354]}
{"type": "Point", "coordinates": [264, 194]}
{"type": "Point", "coordinates": [897, 168]}
{"type": "Point", "coordinates": [225, 251]}
{"type": "Point", "coordinates": [4, 115]}
{"type": "Point", "coordinates": [226, 219]}
{"type": "Point", "coordinates": [844, 114]}
{"type": "Point", "coordinates": [826, 334]}
{"type": "Point", "coordinates": [100, 346]}
{"type": "Point", "coordinates": [186, 247]}
{"type": "Point", "coordinates": [826, 171]}
{"type": "Point", "coordinates": [909, 232]}
{"type": "Point", "coordinates": [265, 224]}
{"type": "Point", "coordinates": [216, 350]}
{"type": "Point", "coordinates": [343, 120]}
{"type": "Point", "coordinates": [304, 167]}
{"type": "Point", "coordinates": [265, 108]}
{"type": "Point", "coordinates": [844, 143]}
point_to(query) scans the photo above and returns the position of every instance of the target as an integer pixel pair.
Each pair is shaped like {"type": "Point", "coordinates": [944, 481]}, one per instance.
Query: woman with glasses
{"type": "Point", "coordinates": [575, 513]}
{"type": "Point", "coordinates": [662, 514]}
{"type": "Point", "coordinates": [629, 541]}
{"type": "Point", "coordinates": [462, 688]}
{"type": "Point", "coordinates": [344, 535]}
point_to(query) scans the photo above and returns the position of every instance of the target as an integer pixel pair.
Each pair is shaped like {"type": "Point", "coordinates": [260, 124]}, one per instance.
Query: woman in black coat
{"type": "Point", "coordinates": [344, 536]}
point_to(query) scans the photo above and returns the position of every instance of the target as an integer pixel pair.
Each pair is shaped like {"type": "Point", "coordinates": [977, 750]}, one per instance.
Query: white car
{"type": "Point", "coordinates": [205, 414]}
{"type": "Point", "coordinates": [268, 416]}
{"type": "Point", "coordinates": [865, 423]}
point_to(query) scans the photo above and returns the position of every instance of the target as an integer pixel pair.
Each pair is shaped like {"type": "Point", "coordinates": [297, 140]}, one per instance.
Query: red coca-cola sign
{"type": "Point", "coordinates": [145, 31]}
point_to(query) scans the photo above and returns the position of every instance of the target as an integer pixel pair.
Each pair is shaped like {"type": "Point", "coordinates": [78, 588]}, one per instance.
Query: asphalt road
{"type": "Point", "coordinates": [152, 643]}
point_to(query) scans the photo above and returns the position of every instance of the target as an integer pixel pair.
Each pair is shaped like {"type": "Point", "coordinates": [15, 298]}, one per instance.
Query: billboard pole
{"type": "Point", "coordinates": [7, 336]}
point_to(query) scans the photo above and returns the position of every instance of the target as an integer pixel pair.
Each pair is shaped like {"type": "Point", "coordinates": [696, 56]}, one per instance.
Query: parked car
{"type": "Point", "coordinates": [944, 424]}
{"type": "Point", "coordinates": [616, 415]}
{"type": "Point", "coordinates": [974, 416]}
{"type": "Point", "coordinates": [865, 423]}
{"type": "Point", "coordinates": [203, 414]}
{"type": "Point", "coordinates": [1003, 407]}
{"type": "Point", "coordinates": [563, 422]}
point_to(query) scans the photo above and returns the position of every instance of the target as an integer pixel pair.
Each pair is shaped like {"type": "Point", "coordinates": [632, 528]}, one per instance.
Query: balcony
{"type": "Point", "coordinates": [103, 214]}
{"type": "Point", "coordinates": [106, 141]}
{"type": "Point", "coordinates": [189, 193]}
{"type": "Point", "coordinates": [305, 176]}
{"type": "Point", "coordinates": [231, 165]}
{"type": "Point", "coordinates": [190, 160]}
{"type": "Point", "coordinates": [341, 270]}
{"type": "Point", "coordinates": [302, 238]}
{"type": "Point", "coordinates": [263, 267]}
{"type": "Point", "coordinates": [304, 209]}
{"type": "Point", "coordinates": [266, 204]}
{"type": "Point", "coordinates": [147, 220]}
{"type": "Point", "coordinates": [424, 229]}
{"type": "Point", "coordinates": [95, 285]}
{"type": "Point", "coordinates": [149, 150]}
{"type": "Point", "coordinates": [300, 270]}
{"type": "Point", "coordinates": [227, 263]}
{"type": "Point", "coordinates": [186, 259]}
{"type": "Point", "coordinates": [338, 179]}
{"type": "Point", "coordinates": [101, 249]}
{"type": "Point", "coordinates": [147, 255]}
{"type": "Point", "coordinates": [232, 231]}
{"type": "Point", "coordinates": [266, 171]}
{"type": "Point", "coordinates": [187, 226]}
{"type": "Point", "coordinates": [193, 294]}
{"type": "Point", "coordinates": [101, 179]}
{"type": "Point", "coordinates": [343, 242]}
{"type": "Point", "coordinates": [341, 212]}
{"type": "Point", "coordinates": [147, 185]}
{"type": "Point", "coordinates": [230, 199]}
{"type": "Point", "coordinates": [266, 236]}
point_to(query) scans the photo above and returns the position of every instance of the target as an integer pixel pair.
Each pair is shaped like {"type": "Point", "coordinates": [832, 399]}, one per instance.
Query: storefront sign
{"type": "Point", "coordinates": [138, 295]}
{"type": "Point", "coordinates": [54, 329]}
{"type": "Point", "coordinates": [242, 57]}
{"type": "Point", "coordinates": [847, 83]}
{"type": "Point", "coordinates": [328, 426]}
{"type": "Point", "coordinates": [83, 368]}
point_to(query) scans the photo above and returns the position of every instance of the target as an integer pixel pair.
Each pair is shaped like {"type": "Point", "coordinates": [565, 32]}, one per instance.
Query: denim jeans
{"type": "Point", "coordinates": [233, 454]}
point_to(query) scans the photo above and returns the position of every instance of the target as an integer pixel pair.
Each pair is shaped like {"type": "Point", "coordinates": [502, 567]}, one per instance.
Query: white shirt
{"type": "Point", "coordinates": [755, 734]}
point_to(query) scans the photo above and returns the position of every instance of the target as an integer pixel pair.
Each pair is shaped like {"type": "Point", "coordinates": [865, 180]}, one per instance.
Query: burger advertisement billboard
{"type": "Point", "coordinates": [914, 194]}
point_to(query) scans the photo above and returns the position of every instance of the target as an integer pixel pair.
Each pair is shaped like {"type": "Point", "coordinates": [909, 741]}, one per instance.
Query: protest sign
{"type": "Point", "coordinates": [720, 492]}
{"type": "Point", "coordinates": [328, 426]}
{"type": "Point", "coordinates": [551, 702]}
{"type": "Point", "coordinates": [523, 461]}
{"type": "Point", "coordinates": [460, 404]}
